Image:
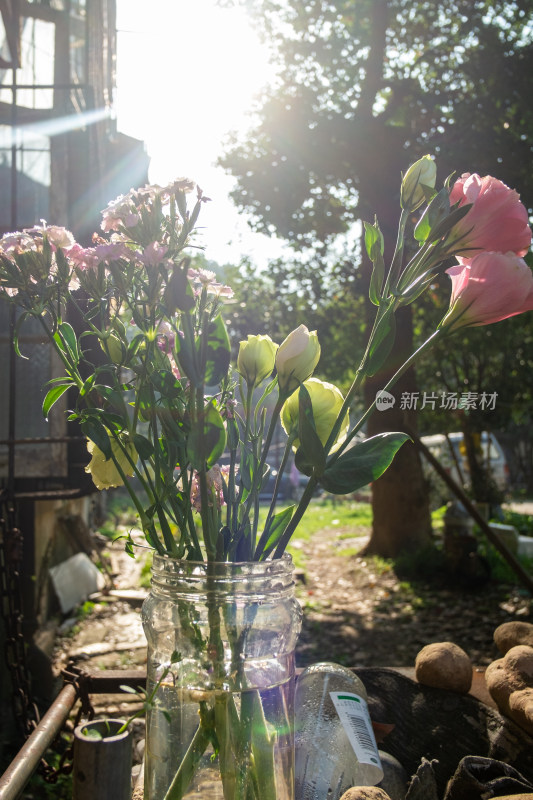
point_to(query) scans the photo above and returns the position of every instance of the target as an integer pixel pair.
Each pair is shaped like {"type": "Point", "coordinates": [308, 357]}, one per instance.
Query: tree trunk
{"type": "Point", "coordinates": [400, 498]}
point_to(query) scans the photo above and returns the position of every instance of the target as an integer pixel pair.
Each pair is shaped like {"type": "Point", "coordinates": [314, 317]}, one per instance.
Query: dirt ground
{"type": "Point", "coordinates": [357, 612]}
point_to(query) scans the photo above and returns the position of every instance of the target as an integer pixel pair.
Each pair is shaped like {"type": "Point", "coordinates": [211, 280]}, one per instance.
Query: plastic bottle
{"type": "Point", "coordinates": [335, 747]}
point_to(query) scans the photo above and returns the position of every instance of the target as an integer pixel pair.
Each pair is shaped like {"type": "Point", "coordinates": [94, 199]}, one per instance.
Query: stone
{"type": "Point", "coordinates": [519, 659]}
{"type": "Point", "coordinates": [511, 634]}
{"type": "Point", "coordinates": [444, 665]}
{"type": "Point", "coordinates": [365, 793]}
{"type": "Point", "coordinates": [395, 778]}
{"type": "Point", "coordinates": [501, 682]}
{"type": "Point", "coordinates": [509, 674]}
{"type": "Point", "coordinates": [521, 708]}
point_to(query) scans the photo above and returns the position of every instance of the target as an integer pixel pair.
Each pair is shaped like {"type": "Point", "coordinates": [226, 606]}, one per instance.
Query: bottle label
{"type": "Point", "coordinates": [355, 719]}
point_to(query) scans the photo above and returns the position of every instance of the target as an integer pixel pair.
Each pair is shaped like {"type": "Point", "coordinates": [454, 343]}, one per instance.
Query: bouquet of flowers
{"type": "Point", "coordinates": [151, 384]}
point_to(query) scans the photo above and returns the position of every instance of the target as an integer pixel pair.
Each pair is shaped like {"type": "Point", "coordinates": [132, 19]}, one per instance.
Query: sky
{"type": "Point", "coordinates": [187, 73]}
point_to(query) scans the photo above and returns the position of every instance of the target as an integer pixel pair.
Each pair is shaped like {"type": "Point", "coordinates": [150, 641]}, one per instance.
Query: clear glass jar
{"type": "Point", "coordinates": [221, 640]}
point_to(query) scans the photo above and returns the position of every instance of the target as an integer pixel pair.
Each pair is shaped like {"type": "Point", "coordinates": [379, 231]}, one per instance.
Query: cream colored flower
{"type": "Point", "coordinates": [297, 358]}
{"type": "Point", "coordinates": [256, 358]}
{"type": "Point", "coordinates": [326, 400]}
{"type": "Point", "coordinates": [104, 473]}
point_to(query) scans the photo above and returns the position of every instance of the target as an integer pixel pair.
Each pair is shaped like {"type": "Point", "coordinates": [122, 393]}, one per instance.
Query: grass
{"type": "Point", "coordinates": [346, 516]}
{"type": "Point", "coordinates": [351, 518]}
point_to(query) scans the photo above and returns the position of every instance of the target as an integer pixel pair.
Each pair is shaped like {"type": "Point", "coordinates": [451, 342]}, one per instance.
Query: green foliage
{"type": "Point", "coordinates": [500, 570]}
{"type": "Point", "coordinates": [364, 88]}
{"type": "Point", "coordinates": [522, 522]}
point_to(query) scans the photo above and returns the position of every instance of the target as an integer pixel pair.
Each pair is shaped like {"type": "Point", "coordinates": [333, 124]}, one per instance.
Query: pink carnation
{"type": "Point", "coordinates": [83, 257]}
{"type": "Point", "coordinates": [488, 288]}
{"type": "Point", "coordinates": [497, 221]}
{"type": "Point", "coordinates": [153, 254]}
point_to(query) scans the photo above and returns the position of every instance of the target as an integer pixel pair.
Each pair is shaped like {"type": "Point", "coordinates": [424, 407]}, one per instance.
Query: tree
{"type": "Point", "coordinates": [364, 88]}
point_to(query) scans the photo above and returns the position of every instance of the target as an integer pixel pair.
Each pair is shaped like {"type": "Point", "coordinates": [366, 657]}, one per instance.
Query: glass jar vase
{"type": "Point", "coordinates": [221, 640]}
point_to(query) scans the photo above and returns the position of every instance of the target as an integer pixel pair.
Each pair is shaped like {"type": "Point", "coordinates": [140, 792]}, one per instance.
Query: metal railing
{"type": "Point", "coordinates": [79, 685]}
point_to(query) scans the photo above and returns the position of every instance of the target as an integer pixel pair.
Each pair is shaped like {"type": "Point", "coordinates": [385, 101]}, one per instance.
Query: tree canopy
{"type": "Point", "coordinates": [366, 86]}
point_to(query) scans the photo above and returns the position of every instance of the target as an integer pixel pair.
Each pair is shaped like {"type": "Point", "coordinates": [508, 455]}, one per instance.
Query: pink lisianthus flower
{"type": "Point", "coordinates": [497, 221]}
{"type": "Point", "coordinates": [488, 288]}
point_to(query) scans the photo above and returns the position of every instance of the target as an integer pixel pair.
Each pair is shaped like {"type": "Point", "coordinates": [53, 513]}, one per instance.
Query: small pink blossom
{"type": "Point", "coordinates": [166, 337]}
{"type": "Point", "coordinates": [120, 212]}
{"type": "Point", "coordinates": [488, 288]}
{"type": "Point", "coordinates": [216, 478]}
{"type": "Point", "coordinates": [84, 258]}
{"type": "Point", "coordinates": [60, 237]}
{"type": "Point", "coordinates": [153, 254]}
{"type": "Point", "coordinates": [112, 251]}
{"type": "Point", "coordinates": [184, 185]}
{"type": "Point", "coordinates": [17, 242]}
{"type": "Point", "coordinates": [497, 221]}
{"type": "Point", "coordinates": [206, 279]}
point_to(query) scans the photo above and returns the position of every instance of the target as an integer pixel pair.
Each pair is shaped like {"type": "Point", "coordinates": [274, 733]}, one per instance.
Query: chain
{"type": "Point", "coordinates": [25, 710]}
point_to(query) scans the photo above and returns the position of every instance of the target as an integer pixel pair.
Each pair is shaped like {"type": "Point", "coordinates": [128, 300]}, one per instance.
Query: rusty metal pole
{"type": "Point", "coordinates": [493, 537]}
{"type": "Point", "coordinates": [27, 760]}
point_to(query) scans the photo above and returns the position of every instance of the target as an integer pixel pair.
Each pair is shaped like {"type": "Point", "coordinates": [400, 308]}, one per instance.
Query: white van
{"type": "Point", "coordinates": [450, 452]}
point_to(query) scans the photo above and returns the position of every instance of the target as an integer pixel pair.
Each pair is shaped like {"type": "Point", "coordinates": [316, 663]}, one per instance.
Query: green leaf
{"type": "Point", "coordinates": [276, 529]}
{"type": "Point", "coordinates": [53, 396]}
{"type": "Point", "coordinates": [186, 355]}
{"type": "Point", "coordinates": [218, 352]}
{"type": "Point", "coordinates": [233, 433]}
{"type": "Point", "coordinates": [246, 468]}
{"type": "Point", "coordinates": [382, 344]}
{"type": "Point", "coordinates": [88, 385]}
{"type": "Point", "coordinates": [374, 246]}
{"type": "Point", "coordinates": [374, 242]}
{"type": "Point", "coordinates": [166, 384]}
{"type": "Point", "coordinates": [66, 339]}
{"type": "Point", "coordinates": [436, 212]}
{"type": "Point", "coordinates": [207, 438]}
{"type": "Point", "coordinates": [93, 429]}
{"type": "Point", "coordinates": [444, 227]}
{"type": "Point", "coordinates": [310, 444]}
{"type": "Point", "coordinates": [18, 325]}
{"type": "Point", "coordinates": [143, 446]}
{"type": "Point", "coordinates": [302, 464]}
{"type": "Point", "coordinates": [363, 463]}
{"type": "Point", "coordinates": [92, 733]}
{"type": "Point", "coordinates": [178, 293]}
{"type": "Point", "coordinates": [128, 689]}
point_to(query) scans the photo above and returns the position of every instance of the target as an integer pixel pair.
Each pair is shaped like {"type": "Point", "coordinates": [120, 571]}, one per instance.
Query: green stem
{"type": "Point", "coordinates": [189, 764]}
{"type": "Point", "coordinates": [258, 473]}
{"type": "Point", "coordinates": [405, 366]}
{"type": "Point", "coordinates": [313, 480]}
{"type": "Point", "coordinates": [396, 264]}
{"type": "Point", "coordinates": [297, 516]}
{"type": "Point", "coordinates": [264, 536]}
